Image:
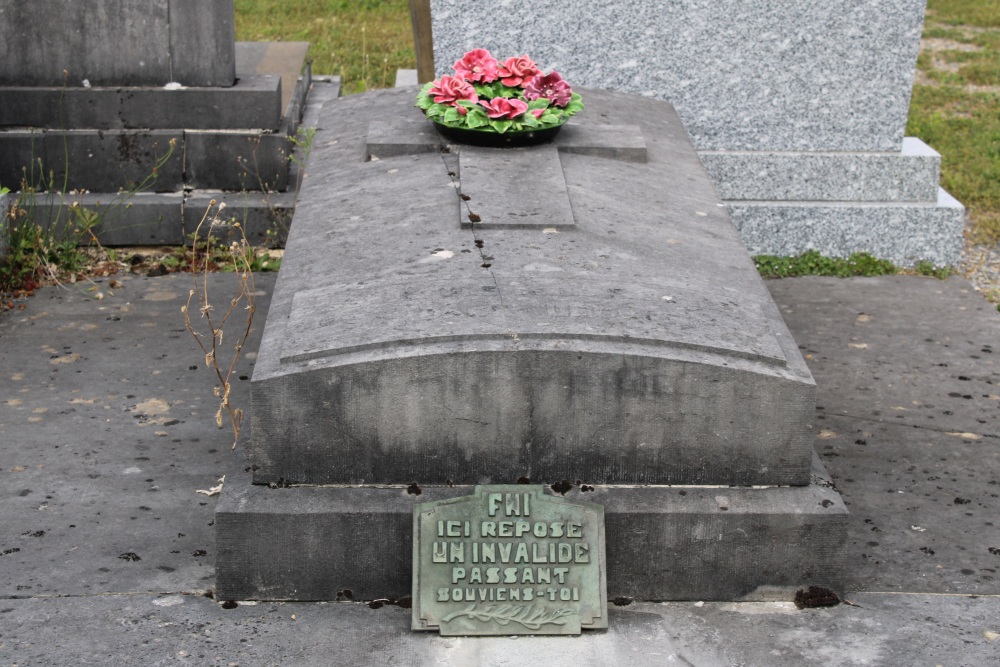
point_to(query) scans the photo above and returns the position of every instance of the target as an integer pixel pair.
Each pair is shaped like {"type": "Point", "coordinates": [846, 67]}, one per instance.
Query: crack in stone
{"type": "Point", "coordinates": [478, 242]}
{"type": "Point", "coordinates": [943, 431]}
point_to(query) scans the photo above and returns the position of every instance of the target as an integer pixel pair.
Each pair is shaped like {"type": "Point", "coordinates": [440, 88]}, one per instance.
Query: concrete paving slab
{"type": "Point", "coordinates": [925, 506]}
{"type": "Point", "coordinates": [930, 359]}
{"type": "Point", "coordinates": [188, 629]}
{"type": "Point", "coordinates": [106, 434]}
{"type": "Point", "coordinates": [137, 612]}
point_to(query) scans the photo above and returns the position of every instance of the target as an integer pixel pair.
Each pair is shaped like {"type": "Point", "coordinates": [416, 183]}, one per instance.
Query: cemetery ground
{"type": "Point", "coordinates": [107, 436]}
{"type": "Point", "coordinates": [109, 452]}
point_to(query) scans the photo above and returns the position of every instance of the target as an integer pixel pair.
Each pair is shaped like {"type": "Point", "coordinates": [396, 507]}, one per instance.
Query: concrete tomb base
{"type": "Point", "coordinates": [663, 543]}
{"type": "Point", "coordinates": [581, 314]}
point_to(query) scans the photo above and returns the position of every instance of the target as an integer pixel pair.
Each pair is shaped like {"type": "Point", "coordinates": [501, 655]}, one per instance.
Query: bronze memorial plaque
{"type": "Point", "coordinates": [509, 560]}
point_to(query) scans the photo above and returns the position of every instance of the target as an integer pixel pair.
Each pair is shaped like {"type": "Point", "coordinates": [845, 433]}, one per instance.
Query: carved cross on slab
{"type": "Point", "coordinates": [515, 187]}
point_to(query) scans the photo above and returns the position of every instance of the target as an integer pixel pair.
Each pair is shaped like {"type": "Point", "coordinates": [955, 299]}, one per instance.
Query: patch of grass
{"type": "Point", "coordinates": [363, 41]}
{"type": "Point", "coordinates": [939, 32]}
{"type": "Point", "coordinates": [811, 263]}
{"type": "Point", "coordinates": [958, 113]}
{"type": "Point", "coordinates": [926, 268]}
{"type": "Point", "coordinates": [983, 13]}
{"type": "Point", "coordinates": [860, 264]}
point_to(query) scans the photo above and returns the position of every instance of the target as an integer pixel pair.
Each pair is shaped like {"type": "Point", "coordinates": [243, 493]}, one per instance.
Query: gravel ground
{"type": "Point", "coordinates": [981, 267]}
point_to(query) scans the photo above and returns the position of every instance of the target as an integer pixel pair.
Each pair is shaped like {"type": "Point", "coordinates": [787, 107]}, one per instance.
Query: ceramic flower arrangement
{"type": "Point", "coordinates": [488, 95]}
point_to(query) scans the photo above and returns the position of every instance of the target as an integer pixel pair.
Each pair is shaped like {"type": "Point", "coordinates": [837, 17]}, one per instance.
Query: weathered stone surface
{"type": "Point", "coordinates": [393, 138]}
{"type": "Point", "coordinates": [115, 161]}
{"type": "Point", "coordinates": [663, 543]}
{"type": "Point", "coordinates": [139, 219]}
{"type": "Point", "coordinates": [92, 159]}
{"type": "Point", "coordinates": [287, 59]}
{"type": "Point", "coordinates": [202, 42]}
{"type": "Point", "coordinates": [622, 142]}
{"type": "Point", "coordinates": [5, 204]}
{"type": "Point", "coordinates": [236, 160]}
{"type": "Point", "coordinates": [639, 346]}
{"type": "Point", "coordinates": [20, 152]}
{"type": "Point", "coordinates": [265, 218]}
{"type": "Point", "coordinates": [910, 175]}
{"type": "Point", "coordinates": [494, 182]}
{"type": "Point", "coordinates": [116, 42]}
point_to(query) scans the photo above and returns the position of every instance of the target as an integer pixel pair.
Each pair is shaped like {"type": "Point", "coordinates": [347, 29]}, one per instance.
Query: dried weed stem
{"type": "Point", "coordinates": [241, 255]}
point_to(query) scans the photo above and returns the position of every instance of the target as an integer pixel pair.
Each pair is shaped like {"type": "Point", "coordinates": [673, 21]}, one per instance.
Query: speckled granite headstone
{"type": "Point", "coordinates": [797, 109]}
{"type": "Point", "coordinates": [742, 74]}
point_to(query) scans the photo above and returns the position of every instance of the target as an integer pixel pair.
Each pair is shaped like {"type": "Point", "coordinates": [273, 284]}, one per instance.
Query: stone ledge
{"type": "Point", "coordinates": [168, 218]}
{"type": "Point", "coordinates": [265, 217]}
{"type": "Point", "coordinates": [911, 175]}
{"type": "Point", "coordinates": [254, 102]}
{"type": "Point", "coordinates": [134, 42]}
{"type": "Point", "coordinates": [903, 233]}
{"type": "Point", "coordinates": [663, 543]}
{"type": "Point", "coordinates": [143, 219]}
{"type": "Point", "coordinates": [109, 160]}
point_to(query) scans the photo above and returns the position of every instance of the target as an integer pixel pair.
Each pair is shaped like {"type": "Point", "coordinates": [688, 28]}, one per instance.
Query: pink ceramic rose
{"type": "Point", "coordinates": [515, 71]}
{"type": "Point", "coordinates": [449, 89]}
{"type": "Point", "coordinates": [502, 108]}
{"type": "Point", "coordinates": [551, 87]}
{"type": "Point", "coordinates": [478, 65]}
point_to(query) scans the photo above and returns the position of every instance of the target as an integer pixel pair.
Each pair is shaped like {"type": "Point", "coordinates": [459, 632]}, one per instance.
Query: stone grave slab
{"type": "Point", "coordinates": [498, 181]}
{"type": "Point", "coordinates": [663, 542]}
{"type": "Point", "coordinates": [480, 355]}
{"type": "Point", "coordinates": [631, 352]}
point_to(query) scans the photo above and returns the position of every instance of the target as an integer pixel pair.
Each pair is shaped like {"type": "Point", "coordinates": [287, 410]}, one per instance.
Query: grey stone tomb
{"type": "Point", "coordinates": [797, 109]}
{"type": "Point", "coordinates": [601, 330]}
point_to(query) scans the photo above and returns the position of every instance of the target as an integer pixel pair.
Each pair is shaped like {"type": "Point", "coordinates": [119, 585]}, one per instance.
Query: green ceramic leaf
{"type": "Point", "coordinates": [500, 126]}
{"type": "Point", "coordinates": [476, 119]}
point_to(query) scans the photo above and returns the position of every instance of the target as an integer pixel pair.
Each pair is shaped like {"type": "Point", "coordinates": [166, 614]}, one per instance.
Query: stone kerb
{"type": "Point", "coordinates": [117, 43]}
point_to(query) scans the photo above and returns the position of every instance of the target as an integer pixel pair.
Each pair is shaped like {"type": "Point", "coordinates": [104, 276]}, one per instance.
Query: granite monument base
{"type": "Point", "coordinates": [886, 203]}
{"type": "Point", "coordinates": [663, 542]}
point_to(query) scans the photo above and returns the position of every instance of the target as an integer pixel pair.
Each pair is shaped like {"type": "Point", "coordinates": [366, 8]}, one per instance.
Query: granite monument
{"type": "Point", "coordinates": [797, 109]}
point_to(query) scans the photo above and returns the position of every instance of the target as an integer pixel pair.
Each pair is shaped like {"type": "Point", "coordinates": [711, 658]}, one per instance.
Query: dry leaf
{"type": "Point", "coordinates": [215, 490]}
